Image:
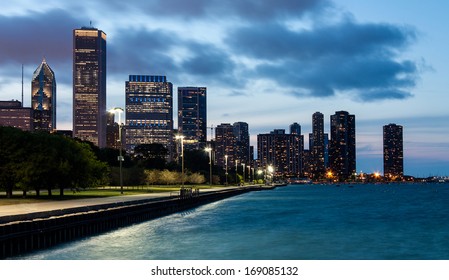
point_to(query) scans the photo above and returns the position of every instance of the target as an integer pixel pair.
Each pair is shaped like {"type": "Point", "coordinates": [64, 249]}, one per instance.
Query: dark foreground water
{"type": "Point", "coordinates": [295, 222]}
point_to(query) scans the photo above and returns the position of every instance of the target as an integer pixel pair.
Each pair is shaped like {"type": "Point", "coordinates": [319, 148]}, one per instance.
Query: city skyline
{"type": "Point", "coordinates": [394, 75]}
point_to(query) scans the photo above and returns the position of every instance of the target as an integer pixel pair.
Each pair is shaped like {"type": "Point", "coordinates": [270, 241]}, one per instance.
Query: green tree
{"type": "Point", "coordinates": [196, 178]}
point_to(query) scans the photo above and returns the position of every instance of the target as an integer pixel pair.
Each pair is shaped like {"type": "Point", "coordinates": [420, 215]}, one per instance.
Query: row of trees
{"type": "Point", "coordinates": [38, 161]}
{"type": "Point", "coordinates": [168, 177]}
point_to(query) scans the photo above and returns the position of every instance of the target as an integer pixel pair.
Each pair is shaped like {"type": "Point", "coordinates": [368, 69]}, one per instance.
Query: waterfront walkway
{"type": "Point", "coordinates": [30, 208]}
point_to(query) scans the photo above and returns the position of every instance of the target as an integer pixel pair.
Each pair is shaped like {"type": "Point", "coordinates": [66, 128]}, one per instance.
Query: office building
{"type": "Point", "coordinates": [192, 117]}
{"type": "Point", "coordinates": [43, 98]}
{"type": "Point", "coordinates": [282, 151]}
{"type": "Point", "coordinates": [242, 147]}
{"type": "Point", "coordinates": [149, 112]}
{"type": "Point", "coordinates": [14, 115]}
{"type": "Point", "coordinates": [393, 151]}
{"type": "Point", "coordinates": [225, 145]}
{"type": "Point", "coordinates": [89, 85]}
{"type": "Point", "coordinates": [342, 156]}
{"type": "Point", "coordinates": [317, 148]}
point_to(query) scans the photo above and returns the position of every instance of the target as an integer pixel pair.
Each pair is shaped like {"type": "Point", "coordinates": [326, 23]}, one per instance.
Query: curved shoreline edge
{"type": "Point", "coordinates": [24, 233]}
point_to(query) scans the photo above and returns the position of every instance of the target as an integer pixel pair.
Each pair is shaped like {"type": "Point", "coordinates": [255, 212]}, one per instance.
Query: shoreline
{"type": "Point", "coordinates": [23, 233]}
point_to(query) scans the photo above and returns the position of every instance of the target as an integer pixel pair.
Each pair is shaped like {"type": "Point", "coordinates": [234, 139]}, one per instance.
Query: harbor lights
{"type": "Point", "coordinates": [120, 157]}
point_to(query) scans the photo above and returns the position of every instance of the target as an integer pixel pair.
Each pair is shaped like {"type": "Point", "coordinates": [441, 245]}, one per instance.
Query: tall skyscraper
{"type": "Point", "coordinates": [282, 151]}
{"type": "Point", "coordinates": [225, 144]}
{"type": "Point", "coordinates": [149, 112]}
{"type": "Point", "coordinates": [241, 134]}
{"type": "Point", "coordinates": [342, 145]}
{"type": "Point", "coordinates": [192, 116]}
{"type": "Point", "coordinates": [43, 98]}
{"type": "Point", "coordinates": [393, 151]}
{"type": "Point", "coordinates": [89, 85]}
{"type": "Point", "coordinates": [318, 146]}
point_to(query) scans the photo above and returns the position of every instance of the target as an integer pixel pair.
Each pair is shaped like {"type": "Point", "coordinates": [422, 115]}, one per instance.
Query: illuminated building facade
{"type": "Point", "coordinates": [149, 112]}
{"type": "Point", "coordinates": [225, 143]}
{"type": "Point", "coordinates": [242, 147]}
{"type": "Point", "coordinates": [192, 116]}
{"type": "Point", "coordinates": [393, 151]}
{"type": "Point", "coordinates": [342, 155]}
{"type": "Point", "coordinates": [43, 98]}
{"type": "Point", "coordinates": [13, 114]}
{"type": "Point", "coordinates": [282, 151]}
{"type": "Point", "coordinates": [318, 146]}
{"type": "Point", "coordinates": [89, 85]}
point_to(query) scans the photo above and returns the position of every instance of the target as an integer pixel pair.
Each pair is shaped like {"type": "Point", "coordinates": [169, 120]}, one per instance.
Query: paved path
{"type": "Point", "coordinates": [27, 208]}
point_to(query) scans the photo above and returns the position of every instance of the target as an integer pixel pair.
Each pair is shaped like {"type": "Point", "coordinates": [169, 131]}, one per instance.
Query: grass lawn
{"type": "Point", "coordinates": [89, 193]}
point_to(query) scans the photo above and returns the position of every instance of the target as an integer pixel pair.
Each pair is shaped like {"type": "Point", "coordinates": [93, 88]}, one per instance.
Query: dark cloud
{"type": "Point", "coordinates": [29, 38]}
{"type": "Point", "coordinates": [140, 52]}
{"type": "Point", "coordinates": [218, 9]}
{"type": "Point", "coordinates": [273, 41]}
{"type": "Point", "coordinates": [354, 57]}
{"type": "Point", "coordinates": [358, 58]}
{"type": "Point", "coordinates": [208, 60]}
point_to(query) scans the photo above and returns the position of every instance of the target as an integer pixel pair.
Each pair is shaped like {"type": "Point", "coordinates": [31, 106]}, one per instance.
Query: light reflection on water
{"type": "Point", "coordinates": [294, 222]}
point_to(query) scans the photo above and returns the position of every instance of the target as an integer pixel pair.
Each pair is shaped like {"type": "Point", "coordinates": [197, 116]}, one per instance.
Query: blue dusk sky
{"type": "Point", "coordinates": [267, 63]}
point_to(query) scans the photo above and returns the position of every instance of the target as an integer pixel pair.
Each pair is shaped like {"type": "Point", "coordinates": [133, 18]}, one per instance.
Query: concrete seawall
{"type": "Point", "coordinates": [24, 233]}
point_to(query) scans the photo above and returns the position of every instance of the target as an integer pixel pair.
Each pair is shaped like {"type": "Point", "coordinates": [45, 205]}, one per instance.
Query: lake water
{"type": "Point", "coordinates": [297, 222]}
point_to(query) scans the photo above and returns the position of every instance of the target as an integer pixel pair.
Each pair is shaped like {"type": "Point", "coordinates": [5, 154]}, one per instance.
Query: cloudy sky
{"type": "Point", "coordinates": [268, 63]}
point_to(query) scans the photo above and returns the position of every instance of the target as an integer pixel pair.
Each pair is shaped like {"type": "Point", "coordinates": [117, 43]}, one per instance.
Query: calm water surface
{"type": "Point", "coordinates": [295, 222]}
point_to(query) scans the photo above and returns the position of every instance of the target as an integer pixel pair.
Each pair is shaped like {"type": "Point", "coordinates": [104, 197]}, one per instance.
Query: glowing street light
{"type": "Point", "coordinates": [226, 169]}
{"type": "Point", "coordinates": [270, 171]}
{"type": "Point", "coordinates": [181, 137]}
{"type": "Point", "coordinates": [209, 150]}
{"type": "Point", "coordinates": [243, 173]}
{"type": "Point", "coordinates": [120, 157]}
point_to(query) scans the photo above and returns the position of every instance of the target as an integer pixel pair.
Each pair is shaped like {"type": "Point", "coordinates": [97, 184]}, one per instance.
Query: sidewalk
{"type": "Point", "coordinates": [28, 208]}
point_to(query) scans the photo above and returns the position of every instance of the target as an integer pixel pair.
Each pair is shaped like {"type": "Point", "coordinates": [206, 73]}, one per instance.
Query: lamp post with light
{"type": "Point", "coordinates": [209, 150]}
{"type": "Point", "coordinates": [120, 157]}
{"type": "Point", "coordinates": [243, 173]}
{"type": "Point", "coordinates": [236, 173]}
{"type": "Point", "coordinates": [226, 169]}
{"type": "Point", "coordinates": [181, 138]}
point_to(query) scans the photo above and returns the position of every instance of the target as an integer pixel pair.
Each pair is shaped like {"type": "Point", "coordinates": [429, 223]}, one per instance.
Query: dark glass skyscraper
{"type": "Point", "coordinates": [318, 146]}
{"type": "Point", "coordinates": [43, 98]}
{"type": "Point", "coordinates": [342, 145]}
{"type": "Point", "coordinates": [149, 111]}
{"type": "Point", "coordinates": [393, 151]}
{"type": "Point", "coordinates": [89, 85]}
{"type": "Point", "coordinates": [192, 116]}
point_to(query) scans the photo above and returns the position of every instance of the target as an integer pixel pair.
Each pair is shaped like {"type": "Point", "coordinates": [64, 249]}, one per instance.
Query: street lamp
{"type": "Point", "coordinates": [270, 171]}
{"type": "Point", "coordinates": [181, 137]}
{"type": "Point", "coordinates": [209, 150]}
{"type": "Point", "coordinates": [120, 157]}
{"type": "Point", "coordinates": [243, 173]}
{"type": "Point", "coordinates": [236, 173]}
{"type": "Point", "coordinates": [226, 169]}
